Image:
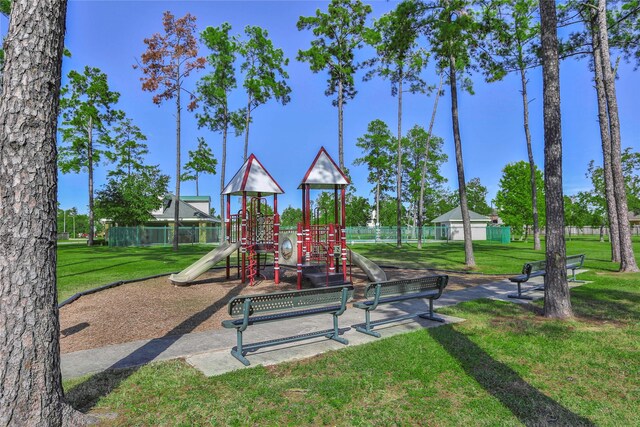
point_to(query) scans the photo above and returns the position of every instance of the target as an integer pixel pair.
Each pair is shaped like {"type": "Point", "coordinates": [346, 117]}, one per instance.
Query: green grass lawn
{"type": "Point", "coordinates": [504, 366]}
{"type": "Point", "coordinates": [81, 267]}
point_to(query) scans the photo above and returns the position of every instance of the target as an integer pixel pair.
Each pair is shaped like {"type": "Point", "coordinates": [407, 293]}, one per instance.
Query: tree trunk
{"type": "Point", "coordinates": [557, 302]}
{"type": "Point", "coordinates": [223, 229]}
{"type": "Point", "coordinates": [603, 119]}
{"type": "Point", "coordinates": [197, 179]}
{"type": "Point", "coordinates": [246, 130]}
{"type": "Point", "coordinates": [90, 170]}
{"type": "Point", "coordinates": [627, 259]}
{"type": "Point", "coordinates": [601, 233]}
{"type": "Point", "coordinates": [462, 189]}
{"type": "Point", "coordinates": [377, 224]}
{"type": "Point", "coordinates": [424, 164]}
{"type": "Point", "coordinates": [176, 208]}
{"type": "Point", "coordinates": [30, 380]}
{"type": "Point", "coordinates": [532, 164]}
{"type": "Point", "coordinates": [340, 125]}
{"type": "Point", "coordinates": [399, 169]}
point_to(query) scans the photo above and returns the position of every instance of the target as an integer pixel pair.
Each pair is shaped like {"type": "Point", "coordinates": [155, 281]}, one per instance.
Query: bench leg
{"type": "Point", "coordinates": [519, 294]}
{"type": "Point", "coordinates": [367, 326]}
{"type": "Point", "coordinates": [237, 351]}
{"type": "Point", "coordinates": [430, 315]}
{"type": "Point", "coordinates": [573, 279]}
{"type": "Point", "coordinates": [336, 332]}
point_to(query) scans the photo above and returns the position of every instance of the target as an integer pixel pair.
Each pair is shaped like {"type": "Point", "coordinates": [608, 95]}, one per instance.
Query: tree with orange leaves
{"type": "Point", "coordinates": [168, 61]}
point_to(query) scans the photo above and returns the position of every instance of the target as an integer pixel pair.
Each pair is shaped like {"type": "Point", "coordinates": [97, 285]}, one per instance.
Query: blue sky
{"type": "Point", "coordinates": [109, 35]}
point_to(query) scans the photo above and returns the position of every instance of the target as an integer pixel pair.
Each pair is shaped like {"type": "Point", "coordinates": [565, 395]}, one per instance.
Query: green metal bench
{"type": "Point", "coordinates": [286, 305]}
{"type": "Point", "coordinates": [429, 287]}
{"type": "Point", "coordinates": [538, 268]}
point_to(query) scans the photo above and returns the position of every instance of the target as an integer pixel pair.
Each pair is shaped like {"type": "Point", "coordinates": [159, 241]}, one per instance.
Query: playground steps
{"type": "Point", "coordinates": [322, 279]}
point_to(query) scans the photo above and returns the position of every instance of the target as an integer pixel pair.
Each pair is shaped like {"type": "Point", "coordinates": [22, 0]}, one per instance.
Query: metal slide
{"type": "Point", "coordinates": [196, 269]}
{"type": "Point", "coordinates": [371, 269]}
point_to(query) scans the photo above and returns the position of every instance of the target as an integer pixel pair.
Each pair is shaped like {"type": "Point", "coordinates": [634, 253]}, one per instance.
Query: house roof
{"type": "Point", "coordinates": [324, 173]}
{"type": "Point", "coordinates": [252, 178]}
{"type": "Point", "coordinates": [634, 217]}
{"type": "Point", "coordinates": [455, 214]}
{"type": "Point", "coordinates": [185, 210]}
{"type": "Point", "coordinates": [190, 199]}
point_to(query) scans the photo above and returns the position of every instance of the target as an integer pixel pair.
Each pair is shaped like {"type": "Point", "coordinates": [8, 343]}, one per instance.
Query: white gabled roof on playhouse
{"type": "Point", "coordinates": [324, 173]}
{"type": "Point", "coordinates": [252, 178]}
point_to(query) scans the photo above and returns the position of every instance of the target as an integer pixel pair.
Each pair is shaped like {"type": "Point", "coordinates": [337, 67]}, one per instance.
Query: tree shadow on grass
{"type": "Point", "coordinates": [528, 404]}
{"type": "Point", "coordinates": [85, 395]}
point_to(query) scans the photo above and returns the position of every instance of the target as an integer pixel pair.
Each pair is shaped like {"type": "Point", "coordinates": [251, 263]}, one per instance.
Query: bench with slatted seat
{"type": "Point", "coordinates": [272, 307]}
{"type": "Point", "coordinates": [538, 269]}
{"type": "Point", "coordinates": [429, 287]}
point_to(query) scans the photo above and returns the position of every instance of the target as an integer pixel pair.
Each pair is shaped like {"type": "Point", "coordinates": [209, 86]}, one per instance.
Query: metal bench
{"type": "Point", "coordinates": [286, 305]}
{"type": "Point", "coordinates": [538, 268]}
{"type": "Point", "coordinates": [430, 287]}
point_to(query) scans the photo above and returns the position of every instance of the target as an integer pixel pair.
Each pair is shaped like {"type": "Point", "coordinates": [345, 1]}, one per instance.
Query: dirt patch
{"type": "Point", "coordinates": [155, 308]}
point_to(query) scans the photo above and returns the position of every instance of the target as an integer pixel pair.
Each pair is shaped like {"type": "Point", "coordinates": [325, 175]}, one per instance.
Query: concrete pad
{"type": "Point", "coordinates": [220, 362]}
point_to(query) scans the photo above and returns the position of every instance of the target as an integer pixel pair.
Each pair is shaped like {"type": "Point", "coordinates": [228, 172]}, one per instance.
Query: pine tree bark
{"type": "Point", "coordinates": [176, 206]}
{"type": "Point", "coordinates": [246, 130]}
{"type": "Point", "coordinates": [627, 258]}
{"type": "Point", "coordinates": [532, 164]}
{"type": "Point", "coordinates": [90, 170]}
{"type": "Point", "coordinates": [30, 381]}
{"type": "Point", "coordinates": [557, 302]}
{"type": "Point", "coordinates": [424, 164]}
{"type": "Point", "coordinates": [223, 229]}
{"type": "Point", "coordinates": [603, 119]}
{"type": "Point", "coordinates": [399, 169]}
{"type": "Point", "coordinates": [462, 188]}
{"type": "Point", "coordinates": [340, 125]}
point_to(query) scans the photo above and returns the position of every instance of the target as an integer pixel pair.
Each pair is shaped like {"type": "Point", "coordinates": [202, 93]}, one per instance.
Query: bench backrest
{"type": "Point", "coordinates": [408, 286]}
{"type": "Point", "coordinates": [533, 267]}
{"type": "Point", "coordinates": [289, 300]}
{"type": "Point", "coordinates": [573, 261]}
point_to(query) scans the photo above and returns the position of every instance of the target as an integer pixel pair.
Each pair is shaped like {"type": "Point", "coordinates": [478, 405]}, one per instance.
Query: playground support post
{"type": "Point", "coordinates": [244, 237]}
{"type": "Point", "coordinates": [299, 264]}
{"type": "Point", "coordinates": [343, 237]}
{"type": "Point", "coordinates": [331, 249]}
{"type": "Point", "coordinates": [276, 240]}
{"type": "Point", "coordinates": [227, 222]}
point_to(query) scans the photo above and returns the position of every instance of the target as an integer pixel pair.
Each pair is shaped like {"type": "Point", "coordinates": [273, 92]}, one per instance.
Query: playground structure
{"type": "Point", "coordinates": [316, 250]}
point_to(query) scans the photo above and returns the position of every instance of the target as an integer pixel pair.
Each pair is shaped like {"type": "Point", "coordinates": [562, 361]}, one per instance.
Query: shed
{"type": "Point", "coordinates": [450, 225]}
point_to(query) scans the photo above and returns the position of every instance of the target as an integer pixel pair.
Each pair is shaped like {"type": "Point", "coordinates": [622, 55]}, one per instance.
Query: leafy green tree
{"type": "Point", "coordinates": [128, 148]}
{"type": "Point", "coordinates": [514, 197]}
{"type": "Point", "coordinates": [339, 33]}
{"type": "Point", "coordinates": [290, 217]}
{"type": "Point", "coordinates": [576, 213]}
{"type": "Point", "coordinates": [87, 109]}
{"type": "Point", "coordinates": [323, 209]}
{"type": "Point", "coordinates": [417, 153]}
{"type": "Point", "coordinates": [168, 61]}
{"type": "Point", "coordinates": [377, 149]}
{"type": "Point", "coordinates": [265, 76]}
{"type": "Point", "coordinates": [357, 211]}
{"type": "Point", "coordinates": [214, 90]}
{"type": "Point", "coordinates": [401, 60]}
{"type": "Point", "coordinates": [388, 212]}
{"type": "Point", "coordinates": [128, 200]}
{"type": "Point", "coordinates": [514, 34]}
{"type": "Point", "coordinates": [200, 161]}
{"type": "Point", "coordinates": [454, 35]}
{"type": "Point", "coordinates": [477, 196]}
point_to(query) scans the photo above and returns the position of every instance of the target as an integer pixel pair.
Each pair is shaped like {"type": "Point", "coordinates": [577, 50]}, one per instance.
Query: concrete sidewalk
{"type": "Point", "coordinates": [209, 350]}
